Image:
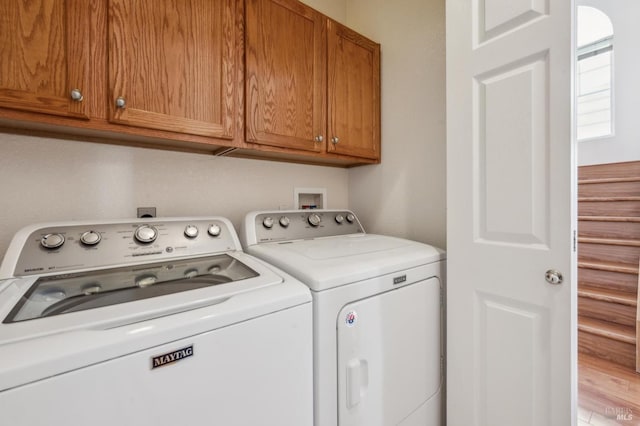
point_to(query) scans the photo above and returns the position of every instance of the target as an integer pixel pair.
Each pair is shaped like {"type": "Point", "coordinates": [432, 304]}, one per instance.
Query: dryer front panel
{"type": "Point", "coordinates": [389, 358]}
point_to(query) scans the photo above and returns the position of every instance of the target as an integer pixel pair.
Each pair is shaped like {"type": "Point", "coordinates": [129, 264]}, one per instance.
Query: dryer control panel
{"type": "Point", "coordinates": [71, 246]}
{"type": "Point", "coordinates": [287, 225]}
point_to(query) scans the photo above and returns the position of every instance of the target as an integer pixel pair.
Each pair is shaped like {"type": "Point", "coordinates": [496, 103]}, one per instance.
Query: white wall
{"type": "Point", "coordinates": [625, 145]}
{"type": "Point", "coordinates": [405, 195]}
{"type": "Point", "coordinates": [43, 180]}
{"type": "Point", "coordinates": [335, 9]}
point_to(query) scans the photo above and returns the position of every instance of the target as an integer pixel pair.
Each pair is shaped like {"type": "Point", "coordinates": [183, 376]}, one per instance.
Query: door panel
{"type": "Point", "coordinates": [353, 93]}
{"type": "Point", "coordinates": [285, 75]}
{"type": "Point", "coordinates": [389, 356]}
{"type": "Point", "coordinates": [44, 55]}
{"type": "Point", "coordinates": [511, 213]}
{"type": "Point", "coordinates": [174, 65]}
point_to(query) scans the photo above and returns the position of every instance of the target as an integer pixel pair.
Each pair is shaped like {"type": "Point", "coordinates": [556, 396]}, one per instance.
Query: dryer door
{"type": "Point", "coordinates": [389, 357]}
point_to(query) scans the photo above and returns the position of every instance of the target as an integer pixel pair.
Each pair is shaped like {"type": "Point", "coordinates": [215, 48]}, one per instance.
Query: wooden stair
{"type": "Point", "coordinates": [608, 259]}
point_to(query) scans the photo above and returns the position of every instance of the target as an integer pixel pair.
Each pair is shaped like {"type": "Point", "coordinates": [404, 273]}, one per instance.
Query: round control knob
{"type": "Point", "coordinates": [146, 280]}
{"type": "Point", "coordinates": [146, 234]}
{"type": "Point", "coordinates": [267, 222]}
{"type": "Point", "coordinates": [284, 221]}
{"type": "Point", "coordinates": [214, 230]}
{"type": "Point", "coordinates": [190, 231]}
{"type": "Point", "coordinates": [191, 273]}
{"type": "Point", "coordinates": [339, 218]}
{"type": "Point", "coordinates": [351, 217]}
{"type": "Point", "coordinates": [90, 238]}
{"type": "Point", "coordinates": [314, 219]}
{"type": "Point", "coordinates": [52, 241]}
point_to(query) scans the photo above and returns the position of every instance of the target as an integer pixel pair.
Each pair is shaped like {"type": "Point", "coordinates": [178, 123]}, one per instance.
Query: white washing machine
{"type": "Point", "coordinates": [157, 322]}
{"type": "Point", "coordinates": [378, 315]}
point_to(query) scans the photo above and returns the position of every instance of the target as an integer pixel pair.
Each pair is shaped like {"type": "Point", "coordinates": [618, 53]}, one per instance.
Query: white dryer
{"type": "Point", "coordinates": [378, 315]}
{"type": "Point", "coordinates": [150, 323]}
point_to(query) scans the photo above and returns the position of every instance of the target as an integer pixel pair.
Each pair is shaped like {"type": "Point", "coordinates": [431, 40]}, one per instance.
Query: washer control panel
{"type": "Point", "coordinates": [287, 225]}
{"type": "Point", "coordinates": [52, 248]}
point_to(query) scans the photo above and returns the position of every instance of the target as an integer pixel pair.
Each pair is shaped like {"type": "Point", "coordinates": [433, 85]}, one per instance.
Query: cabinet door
{"type": "Point", "coordinates": [44, 56]}
{"type": "Point", "coordinates": [172, 65]}
{"type": "Point", "coordinates": [353, 93]}
{"type": "Point", "coordinates": [285, 74]}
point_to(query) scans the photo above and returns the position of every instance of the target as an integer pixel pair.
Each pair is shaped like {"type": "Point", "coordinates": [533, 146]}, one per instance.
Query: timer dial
{"type": "Point", "coordinates": [314, 219]}
{"type": "Point", "coordinates": [146, 234]}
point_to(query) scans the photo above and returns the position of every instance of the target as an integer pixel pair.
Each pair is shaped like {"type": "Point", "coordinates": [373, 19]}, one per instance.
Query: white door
{"type": "Point", "coordinates": [511, 334]}
{"type": "Point", "coordinates": [389, 358]}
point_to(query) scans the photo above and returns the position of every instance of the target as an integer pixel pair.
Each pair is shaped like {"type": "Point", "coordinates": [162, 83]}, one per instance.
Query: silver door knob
{"type": "Point", "coordinates": [553, 277]}
{"type": "Point", "coordinates": [335, 140]}
{"type": "Point", "coordinates": [121, 102]}
{"type": "Point", "coordinates": [76, 95]}
{"type": "Point", "coordinates": [318, 138]}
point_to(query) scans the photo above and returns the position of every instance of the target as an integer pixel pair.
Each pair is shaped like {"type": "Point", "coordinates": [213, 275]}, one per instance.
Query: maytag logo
{"type": "Point", "coordinates": [400, 279]}
{"type": "Point", "coordinates": [171, 357]}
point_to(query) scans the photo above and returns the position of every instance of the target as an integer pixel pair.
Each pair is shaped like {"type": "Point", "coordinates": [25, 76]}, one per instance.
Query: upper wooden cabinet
{"type": "Point", "coordinates": [297, 60]}
{"type": "Point", "coordinates": [44, 56]}
{"type": "Point", "coordinates": [254, 78]}
{"type": "Point", "coordinates": [172, 65]}
{"type": "Point", "coordinates": [285, 74]}
{"type": "Point", "coordinates": [353, 93]}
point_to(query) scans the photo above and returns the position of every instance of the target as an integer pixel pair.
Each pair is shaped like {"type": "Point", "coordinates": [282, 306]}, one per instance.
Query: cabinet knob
{"type": "Point", "coordinates": [335, 140]}
{"type": "Point", "coordinates": [121, 102]}
{"type": "Point", "coordinates": [76, 95]}
{"type": "Point", "coordinates": [318, 138]}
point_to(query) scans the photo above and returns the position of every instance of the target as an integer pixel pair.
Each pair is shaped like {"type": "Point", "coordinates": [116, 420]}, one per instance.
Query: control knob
{"type": "Point", "coordinates": [145, 234]}
{"type": "Point", "coordinates": [284, 221]}
{"type": "Point", "coordinates": [339, 218]}
{"type": "Point", "coordinates": [191, 231]}
{"type": "Point", "coordinates": [314, 219]}
{"type": "Point", "coordinates": [267, 222]}
{"type": "Point", "coordinates": [350, 217]}
{"type": "Point", "coordinates": [214, 230]}
{"type": "Point", "coordinates": [90, 238]}
{"type": "Point", "coordinates": [52, 241]}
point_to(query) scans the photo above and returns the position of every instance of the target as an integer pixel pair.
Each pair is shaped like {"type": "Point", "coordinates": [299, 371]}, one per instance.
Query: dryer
{"type": "Point", "coordinates": [378, 306]}
{"type": "Point", "coordinates": [150, 322]}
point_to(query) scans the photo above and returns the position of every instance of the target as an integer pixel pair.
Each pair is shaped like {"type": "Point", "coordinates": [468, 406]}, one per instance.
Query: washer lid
{"type": "Point", "coordinates": [324, 263]}
{"type": "Point", "coordinates": [60, 294]}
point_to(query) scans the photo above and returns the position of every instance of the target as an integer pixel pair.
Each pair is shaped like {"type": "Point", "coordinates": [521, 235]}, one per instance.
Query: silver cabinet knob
{"type": "Point", "coordinates": [318, 138]}
{"type": "Point", "coordinates": [121, 102]}
{"type": "Point", "coordinates": [553, 277]}
{"type": "Point", "coordinates": [335, 140]}
{"type": "Point", "coordinates": [76, 95]}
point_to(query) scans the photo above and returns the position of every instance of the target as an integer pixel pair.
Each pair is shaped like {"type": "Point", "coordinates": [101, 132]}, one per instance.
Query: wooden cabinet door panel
{"type": "Point", "coordinates": [173, 62]}
{"type": "Point", "coordinates": [44, 55]}
{"type": "Point", "coordinates": [285, 74]}
{"type": "Point", "coordinates": [353, 93]}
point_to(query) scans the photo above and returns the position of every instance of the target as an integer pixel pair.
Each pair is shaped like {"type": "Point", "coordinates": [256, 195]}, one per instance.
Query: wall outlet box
{"type": "Point", "coordinates": [310, 198]}
{"type": "Point", "coordinates": [146, 212]}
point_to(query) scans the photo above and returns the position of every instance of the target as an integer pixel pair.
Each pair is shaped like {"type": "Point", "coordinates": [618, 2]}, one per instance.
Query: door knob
{"type": "Point", "coordinates": [553, 277]}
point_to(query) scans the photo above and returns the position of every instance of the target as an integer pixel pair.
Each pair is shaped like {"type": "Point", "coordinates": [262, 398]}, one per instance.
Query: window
{"type": "Point", "coordinates": [594, 74]}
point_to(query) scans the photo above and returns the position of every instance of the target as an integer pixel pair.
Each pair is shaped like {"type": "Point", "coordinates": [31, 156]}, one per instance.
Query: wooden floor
{"type": "Point", "coordinates": [608, 394]}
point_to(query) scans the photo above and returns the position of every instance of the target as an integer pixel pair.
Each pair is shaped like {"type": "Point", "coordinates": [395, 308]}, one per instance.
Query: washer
{"type": "Point", "coordinates": [157, 322]}
{"type": "Point", "coordinates": [378, 314]}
